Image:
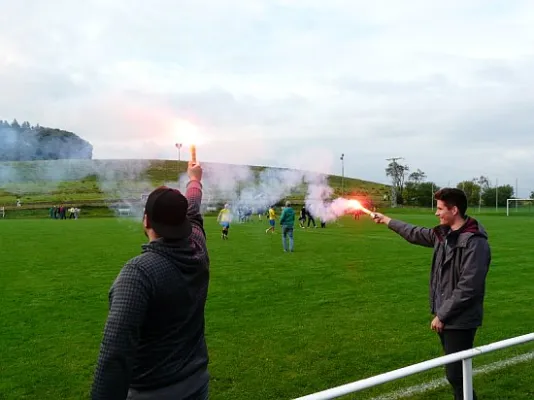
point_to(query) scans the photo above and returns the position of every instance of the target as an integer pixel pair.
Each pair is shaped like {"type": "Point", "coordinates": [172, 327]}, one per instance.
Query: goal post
{"type": "Point", "coordinates": [517, 201]}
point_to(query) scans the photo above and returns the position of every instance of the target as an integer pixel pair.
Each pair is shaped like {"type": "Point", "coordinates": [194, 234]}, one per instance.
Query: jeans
{"type": "Point", "coordinates": [287, 232]}
{"type": "Point", "coordinates": [453, 341]}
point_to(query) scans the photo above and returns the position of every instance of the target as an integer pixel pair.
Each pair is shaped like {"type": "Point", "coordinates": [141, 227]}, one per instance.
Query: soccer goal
{"type": "Point", "coordinates": [524, 205]}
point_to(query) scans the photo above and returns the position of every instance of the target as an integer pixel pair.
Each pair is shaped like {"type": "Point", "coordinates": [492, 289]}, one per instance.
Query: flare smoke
{"type": "Point", "coordinates": [248, 191]}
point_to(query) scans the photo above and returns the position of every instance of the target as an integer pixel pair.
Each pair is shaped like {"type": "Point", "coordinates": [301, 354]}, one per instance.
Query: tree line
{"type": "Point", "coordinates": [24, 142]}
{"type": "Point", "coordinates": [412, 188]}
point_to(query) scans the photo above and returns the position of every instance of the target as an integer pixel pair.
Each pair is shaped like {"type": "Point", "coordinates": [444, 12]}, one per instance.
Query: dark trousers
{"type": "Point", "coordinates": [169, 393]}
{"type": "Point", "coordinates": [453, 341]}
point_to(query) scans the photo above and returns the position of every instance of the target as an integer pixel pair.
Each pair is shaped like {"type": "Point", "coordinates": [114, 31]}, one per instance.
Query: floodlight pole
{"type": "Point", "coordinates": [516, 193]}
{"type": "Point", "coordinates": [179, 146]}
{"type": "Point", "coordinates": [496, 194]}
{"type": "Point", "coordinates": [342, 174]}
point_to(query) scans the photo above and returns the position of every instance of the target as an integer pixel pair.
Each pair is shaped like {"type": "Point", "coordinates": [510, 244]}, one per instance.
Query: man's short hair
{"type": "Point", "coordinates": [288, 203]}
{"type": "Point", "coordinates": [166, 212]}
{"type": "Point", "coordinates": [453, 197]}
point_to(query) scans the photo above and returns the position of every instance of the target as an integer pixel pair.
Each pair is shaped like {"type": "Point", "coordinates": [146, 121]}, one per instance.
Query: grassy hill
{"type": "Point", "coordinates": [39, 184]}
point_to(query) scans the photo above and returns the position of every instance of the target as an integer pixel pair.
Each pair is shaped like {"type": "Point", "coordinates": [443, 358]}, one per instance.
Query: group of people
{"type": "Point", "coordinates": [154, 344]}
{"type": "Point", "coordinates": [287, 223]}
{"type": "Point", "coordinates": [62, 212]}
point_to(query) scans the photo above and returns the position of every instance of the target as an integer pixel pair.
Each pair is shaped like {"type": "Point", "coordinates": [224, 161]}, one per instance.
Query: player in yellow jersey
{"type": "Point", "coordinates": [272, 220]}
{"type": "Point", "coordinates": [224, 219]}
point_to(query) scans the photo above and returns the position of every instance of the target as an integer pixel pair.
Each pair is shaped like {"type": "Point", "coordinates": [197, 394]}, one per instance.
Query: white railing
{"type": "Point", "coordinates": [465, 356]}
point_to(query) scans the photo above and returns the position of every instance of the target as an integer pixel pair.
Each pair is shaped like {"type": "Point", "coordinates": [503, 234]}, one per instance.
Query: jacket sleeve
{"type": "Point", "coordinates": [470, 287]}
{"type": "Point", "coordinates": [194, 199]}
{"type": "Point", "coordinates": [413, 234]}
{"type": "Point", "coordinates": [128, 304]}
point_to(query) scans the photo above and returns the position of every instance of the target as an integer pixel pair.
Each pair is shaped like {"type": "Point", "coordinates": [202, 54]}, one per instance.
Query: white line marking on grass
{"type": "Point", "coordinates": [438, 383]}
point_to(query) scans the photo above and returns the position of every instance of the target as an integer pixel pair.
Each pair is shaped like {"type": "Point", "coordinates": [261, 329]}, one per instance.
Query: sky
{"type": "Point", "coordinates": [448, 86]}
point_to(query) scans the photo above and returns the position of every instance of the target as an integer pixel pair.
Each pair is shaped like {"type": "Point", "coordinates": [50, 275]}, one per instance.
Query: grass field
{"type": "Point", "coordinates": [350, 303]}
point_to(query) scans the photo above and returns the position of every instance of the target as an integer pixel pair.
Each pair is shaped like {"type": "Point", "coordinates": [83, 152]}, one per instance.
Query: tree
{"type": "Point", "coordinates": [484, 184]}
{"type": "Point", "coordinates": [503, 192]}
{"type": "Point", "coordinates": [471, 189]}
{"type": "Point", "coordinates": [417, 176]}
{"type": "Point", "coordinates": [398, 173]}
{"type": "Point", "coordinates": [420, 194]}
{"type": "Point", "coordinates": [22, 143]}
{"type": "Point", "coordinates": [417, 192]}
{"type": "Point", "coordinates": [532, 195]}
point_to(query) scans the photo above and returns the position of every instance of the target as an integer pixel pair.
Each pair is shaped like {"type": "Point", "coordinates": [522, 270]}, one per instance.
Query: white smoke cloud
{"type": "Point", "coordinates": [248, 191]}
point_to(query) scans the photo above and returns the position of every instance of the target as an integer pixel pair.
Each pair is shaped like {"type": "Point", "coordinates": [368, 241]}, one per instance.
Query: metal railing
{"type": "Point", "coordinates": [465, 356]}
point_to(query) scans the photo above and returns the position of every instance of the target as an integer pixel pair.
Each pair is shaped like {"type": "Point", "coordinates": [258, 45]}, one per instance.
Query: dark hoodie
{"type": "Point", "coordinates": [154, 335]}
{"type": "Point", "coordinates": [460, 265]}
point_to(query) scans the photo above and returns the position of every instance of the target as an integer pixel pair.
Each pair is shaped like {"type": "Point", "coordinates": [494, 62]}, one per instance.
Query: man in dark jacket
{"type": "Point", "coordinates": [154, 345]}
{"type": "Point", "coordinates": [460, 264]}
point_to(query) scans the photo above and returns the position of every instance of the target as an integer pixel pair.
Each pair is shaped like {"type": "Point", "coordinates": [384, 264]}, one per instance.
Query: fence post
{"type": "Point", "coordinates": [467, 370]}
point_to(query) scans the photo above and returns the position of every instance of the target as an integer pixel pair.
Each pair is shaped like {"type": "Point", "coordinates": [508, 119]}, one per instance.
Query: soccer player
{"type": "Point", "coordinates": [461, 261]}
{"type": "Point", "coordinates": [224, 219]}
{"type": "Point", "coordinates": [287, 222]}
{"type": "Point", "coordinates": [272, 220]}
{"type": "Point", "coordinates": [154, 345]}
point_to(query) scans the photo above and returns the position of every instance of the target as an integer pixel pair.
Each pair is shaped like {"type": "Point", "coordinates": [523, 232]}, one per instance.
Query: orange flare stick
{"type": "Point", "coordinates": [193, 154]}
{"type": "Point", "coordinates": [358, 206]}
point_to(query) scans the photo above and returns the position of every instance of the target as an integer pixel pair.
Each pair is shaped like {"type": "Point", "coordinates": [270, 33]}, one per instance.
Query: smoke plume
{"type": "Point", "coordinates": [248, 191]}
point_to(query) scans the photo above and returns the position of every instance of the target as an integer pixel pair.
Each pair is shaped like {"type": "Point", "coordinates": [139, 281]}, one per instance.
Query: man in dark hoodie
{"type": "Point", "coordinates": [154, 345]}
{"type": "Point", "coordinates": [460, 264]}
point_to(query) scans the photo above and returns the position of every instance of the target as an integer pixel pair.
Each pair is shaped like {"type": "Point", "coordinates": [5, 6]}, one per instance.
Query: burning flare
{"type": "Point", "coordinates": [356, 205]}
{"type": "Point", "coordinates": [189, 135]}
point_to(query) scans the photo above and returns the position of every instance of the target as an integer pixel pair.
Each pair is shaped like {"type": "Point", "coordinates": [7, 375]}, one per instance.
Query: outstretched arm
{"type": "Point", "coordinates": [411, 233]}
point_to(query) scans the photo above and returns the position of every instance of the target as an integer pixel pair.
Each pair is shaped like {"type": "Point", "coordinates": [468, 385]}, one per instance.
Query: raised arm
{"type": "Point", "coordinates": [411, 233]}
{"type": "Point", "coordinates": [194, 196]}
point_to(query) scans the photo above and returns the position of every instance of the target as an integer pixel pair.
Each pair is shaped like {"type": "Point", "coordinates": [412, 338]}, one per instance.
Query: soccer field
{"type": "Point", "coordinates": [350, 303]}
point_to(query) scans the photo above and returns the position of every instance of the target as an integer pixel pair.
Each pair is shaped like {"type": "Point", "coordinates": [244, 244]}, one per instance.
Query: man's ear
{"type": "Point", "coordinates": [146, 224]}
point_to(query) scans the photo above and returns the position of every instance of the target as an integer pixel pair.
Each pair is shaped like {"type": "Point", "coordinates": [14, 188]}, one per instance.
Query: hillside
{"type": "Point", "coordinates": [24, 142]}
{"type": "Point", "coordinates": [98, 182]}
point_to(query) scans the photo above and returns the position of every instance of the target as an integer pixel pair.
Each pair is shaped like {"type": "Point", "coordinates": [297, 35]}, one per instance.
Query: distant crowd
{"type": "Point", "coordinates": [62, 212]}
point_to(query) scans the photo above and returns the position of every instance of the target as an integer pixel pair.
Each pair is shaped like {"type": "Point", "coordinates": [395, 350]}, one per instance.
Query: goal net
{"type": "Point", "coordinates": [519, 206]}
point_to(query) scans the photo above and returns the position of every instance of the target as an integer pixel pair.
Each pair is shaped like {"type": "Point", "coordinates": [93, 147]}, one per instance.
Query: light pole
{"type": "Point", "coordinates": [342, 158]}
{"type": "Point", "coordinates": [179, 147]}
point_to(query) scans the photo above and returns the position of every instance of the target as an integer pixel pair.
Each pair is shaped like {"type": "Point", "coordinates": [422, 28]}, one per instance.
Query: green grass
{"type": "Point", "coordinates": [350, 303]}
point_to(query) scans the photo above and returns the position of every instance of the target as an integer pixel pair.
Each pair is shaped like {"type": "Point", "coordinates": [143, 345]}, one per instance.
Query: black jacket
{"type": "Point", "coordinates": [460, 265]}
{"type": "Point", "coordinates": [154, 334]}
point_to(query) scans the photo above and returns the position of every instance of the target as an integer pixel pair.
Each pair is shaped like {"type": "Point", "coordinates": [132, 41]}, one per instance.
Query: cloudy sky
{"type": "Point", "coordinates": [446, 85]}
